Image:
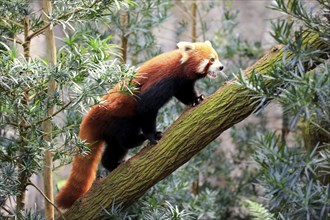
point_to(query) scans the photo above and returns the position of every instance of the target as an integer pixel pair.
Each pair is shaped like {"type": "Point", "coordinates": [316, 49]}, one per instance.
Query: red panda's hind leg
{"type": "Point", "coordinates": [133, 142]}
{"type": "Point", "coordinates": [148, 125]}
{"type": "Point", "coordinates": [113, 156]}
{"type": "Point", "coordinates": [115, 150]}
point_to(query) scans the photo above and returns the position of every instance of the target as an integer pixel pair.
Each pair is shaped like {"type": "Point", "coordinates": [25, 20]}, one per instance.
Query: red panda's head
{"type": "Point", "coordinates": [201, 57]}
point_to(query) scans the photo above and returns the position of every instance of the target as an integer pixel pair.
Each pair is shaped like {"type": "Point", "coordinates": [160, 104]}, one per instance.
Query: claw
{"type": "Point", "coordinates": [153, 138]}
{"type": "Point", "coordinates": [198, 100]}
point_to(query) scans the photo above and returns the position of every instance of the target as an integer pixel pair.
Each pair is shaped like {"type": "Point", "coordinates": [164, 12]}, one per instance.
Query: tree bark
{"type": "Point", "coordinates": [194, 22]}
{"type": "Point", "coordinates": [23, 174]}
{"type": "Point", "coordinates": [192, 132]}
{"type": "Point", "coordinates": [124, 36]}
{"type": "Point", "coordinates": [47, 125]}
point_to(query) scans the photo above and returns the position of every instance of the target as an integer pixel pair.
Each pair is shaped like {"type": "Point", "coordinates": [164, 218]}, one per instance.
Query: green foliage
{"type": "Point", "coordinates": [85, 70]}
{"type": "Point", "coordinates": [302, 93]}
{"type": "Point", "coordinates": [292, 180]}
{"type": "Point", "coordinates": [139, 20]}
{"type": "Point", "coordinates": [88, 76]}
{"type": "Point", "coordinates": [163, 212]}
{"type": "Point", "coordinates": [218, 193]}
{"type": "Point", "coordinates": [239, 53]}
{"type": "Point", "coordinates": [304, 16]}
{"type": "Point", "coordinates": [258, 212]}
{"type": "Point", "coordinates": [30, 214]}
{"type": "Point", "coordinates": [167, 211]}
{"type": "Point", "coordinates": [12, 14]}
{"type": "Point", "coordinates": [176, 189]}
{"type": "Point", "coordinates": [295, 180]}
{"type": "Point", "coordinates": [64, 12]}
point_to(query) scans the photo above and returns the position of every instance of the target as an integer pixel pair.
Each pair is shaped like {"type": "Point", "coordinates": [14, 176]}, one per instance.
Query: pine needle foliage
{"type": "Point", "coordinates": [291, 179]}
{"type": "Point", "coordinates": [295, 175]}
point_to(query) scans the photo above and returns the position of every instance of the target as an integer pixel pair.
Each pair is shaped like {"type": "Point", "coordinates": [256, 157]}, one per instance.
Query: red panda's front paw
{"type": "Point", "coordinates": [153, 137]}
{"type": "Point", "coordinates": [198, 100]}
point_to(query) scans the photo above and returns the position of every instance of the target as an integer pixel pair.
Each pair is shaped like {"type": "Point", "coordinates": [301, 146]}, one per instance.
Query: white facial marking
{"type": "Point", "coordinates": [202, 65]}
{"type": "Point", "coordinates": [214, 69]}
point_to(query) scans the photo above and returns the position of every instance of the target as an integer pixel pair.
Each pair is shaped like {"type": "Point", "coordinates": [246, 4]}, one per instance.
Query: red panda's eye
{"type": "Point", "coordinates": [212, 60]}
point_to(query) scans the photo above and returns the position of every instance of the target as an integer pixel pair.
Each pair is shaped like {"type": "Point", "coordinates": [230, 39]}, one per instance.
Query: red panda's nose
{"type": "Point", "coordinates": [221, 68]}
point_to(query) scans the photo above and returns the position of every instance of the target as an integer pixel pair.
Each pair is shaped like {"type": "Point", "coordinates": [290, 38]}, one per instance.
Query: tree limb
{"type": "Point", "coordinates": [11, 21]}
{"type": "Point", "coordinates": [192, 132]}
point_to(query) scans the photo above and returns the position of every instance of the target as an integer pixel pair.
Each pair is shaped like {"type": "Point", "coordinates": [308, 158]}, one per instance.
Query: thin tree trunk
{"type": "Point", "coordinates": [192, 132]}
{"type": "Point", "coordinates": [27, 40]}
{"type": "Point", "coordinates": [194, 21]}
{"type": "Point", "coordinates": [23, 176]}
{"type": "Point", "coordinates": [47, 125]}
{"type": "Point", "coordinates": [285, 117]}
{"type": "Point", "coordinates": [123, 37]}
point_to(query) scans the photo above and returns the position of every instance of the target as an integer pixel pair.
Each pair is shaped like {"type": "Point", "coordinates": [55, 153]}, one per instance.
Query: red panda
{"type": "Point", "coordinates": [122, 121]}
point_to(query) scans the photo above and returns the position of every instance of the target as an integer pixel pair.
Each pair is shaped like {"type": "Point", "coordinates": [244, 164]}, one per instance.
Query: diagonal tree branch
{"type": "Point", "coordinates": [192, 132]}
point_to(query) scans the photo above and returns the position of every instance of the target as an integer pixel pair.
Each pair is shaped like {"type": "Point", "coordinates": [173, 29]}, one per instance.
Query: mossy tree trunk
{"type": "Point", "coordinates": [192, 132]}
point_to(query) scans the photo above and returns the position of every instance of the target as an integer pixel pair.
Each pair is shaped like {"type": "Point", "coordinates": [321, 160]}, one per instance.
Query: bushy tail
{"type": "Point", "coordinates": [81, 178]}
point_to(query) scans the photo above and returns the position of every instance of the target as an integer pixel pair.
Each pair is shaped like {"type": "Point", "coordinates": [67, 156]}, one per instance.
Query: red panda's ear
{"type": "Point", "coordinates": [185, 46]}
{"type": "Point", "coordinates": [208, 43]}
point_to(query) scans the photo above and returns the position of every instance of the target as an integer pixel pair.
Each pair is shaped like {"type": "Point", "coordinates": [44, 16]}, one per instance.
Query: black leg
{"type": "Point", "coordinates": [187, 94]}
{"type": "Point", "coordinates": [112, 155]}
{"type": "Point", "coordinates": [148, 125]}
